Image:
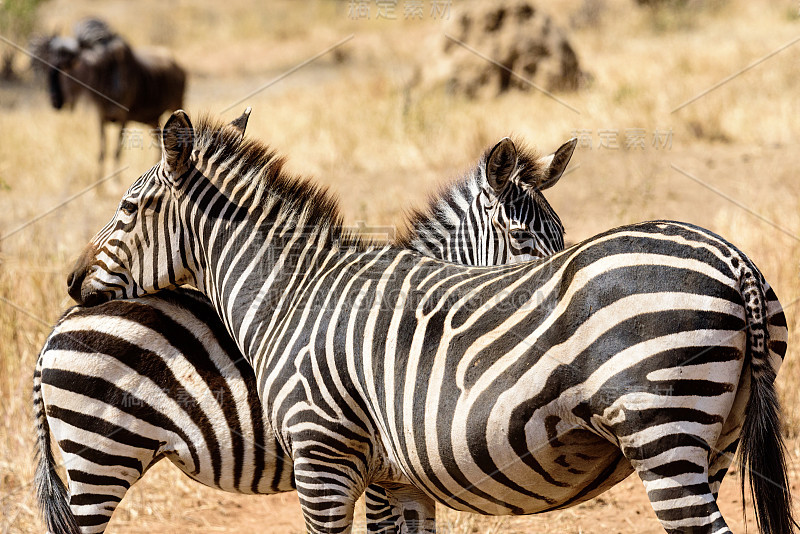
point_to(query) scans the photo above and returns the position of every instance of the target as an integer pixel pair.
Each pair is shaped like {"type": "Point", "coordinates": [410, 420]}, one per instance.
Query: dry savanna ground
{"type": "Point", "coordinates": [727, 161]}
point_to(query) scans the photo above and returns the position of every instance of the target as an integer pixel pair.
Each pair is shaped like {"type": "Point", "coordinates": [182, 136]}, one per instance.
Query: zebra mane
{"type": "Point", "coordinates": [447, 206]}
{"type": "Point", "coordinates": [257, 170]}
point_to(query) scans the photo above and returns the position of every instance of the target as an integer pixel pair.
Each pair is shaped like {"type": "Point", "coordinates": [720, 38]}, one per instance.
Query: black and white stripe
{"type": "Point", "coordinates": [166, 365]}
{"type": "Point", "coordinates": [122, 385]}
{"type": "Point", "coordinates": [501, 390]}
{"type": "Point", "coordinates": [497, 214]}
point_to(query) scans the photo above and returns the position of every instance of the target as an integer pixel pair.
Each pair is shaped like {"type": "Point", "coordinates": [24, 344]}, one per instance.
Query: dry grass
{"type": "Point", "coordinates": [354, 126]}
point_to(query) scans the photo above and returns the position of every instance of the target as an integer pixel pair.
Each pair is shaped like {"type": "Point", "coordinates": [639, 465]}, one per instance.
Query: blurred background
{"type": "Point", "coordinates": [684, 110]}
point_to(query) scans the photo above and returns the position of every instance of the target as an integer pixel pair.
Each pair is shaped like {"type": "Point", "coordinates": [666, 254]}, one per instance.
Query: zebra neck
{"type": "Point", "coordinates": [254, 272]}
{"type": "Point", "coordinates": [258, 233]}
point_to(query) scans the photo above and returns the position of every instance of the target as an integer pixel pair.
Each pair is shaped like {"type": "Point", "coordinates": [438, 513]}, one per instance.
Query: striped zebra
{"type": "Point", "coordinates": [650, 348]}
{"type": "Point", "coordinates": [126, 383]}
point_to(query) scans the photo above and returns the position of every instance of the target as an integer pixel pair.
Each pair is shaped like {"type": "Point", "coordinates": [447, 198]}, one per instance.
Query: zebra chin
{"type": "Point", "coordinates": [92, 297]}
{"type": "Point", "coordinates": [95, 297]}
{"type": "Point", "coordinates": [82, 292]}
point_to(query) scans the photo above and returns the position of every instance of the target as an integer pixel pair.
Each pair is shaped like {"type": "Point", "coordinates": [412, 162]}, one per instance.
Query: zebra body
{"type": "Point", "coordinates": [500, 390]}
{"type": "Point", "coordinates": [130, 382]}
{"type": "Point", "coordinates": [126, 383]}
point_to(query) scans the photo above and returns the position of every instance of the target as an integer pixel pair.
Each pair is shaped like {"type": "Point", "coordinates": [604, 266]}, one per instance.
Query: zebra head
{"type": "Point", "coordinates": [144, 248]}
{"type": "Point", "coordinates": [510, 216]}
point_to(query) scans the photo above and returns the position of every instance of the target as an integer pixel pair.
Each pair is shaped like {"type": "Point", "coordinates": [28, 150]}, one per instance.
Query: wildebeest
{"type": "Point", "coordinates": [124, 84]}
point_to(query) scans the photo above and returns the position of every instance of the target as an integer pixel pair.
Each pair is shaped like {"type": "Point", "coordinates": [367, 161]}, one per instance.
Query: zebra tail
{"type": "Point", "coordinates": [762, 452]}
{"type": "Point", "coordinates": [51, 493]}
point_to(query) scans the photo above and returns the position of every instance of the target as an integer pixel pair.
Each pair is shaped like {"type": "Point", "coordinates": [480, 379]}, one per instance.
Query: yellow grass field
{"type": "Point", "coordinates": [727, 161]}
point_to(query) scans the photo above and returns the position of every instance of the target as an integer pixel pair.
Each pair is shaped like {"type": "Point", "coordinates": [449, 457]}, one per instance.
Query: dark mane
{"type": "Point", "coordinates": [260, 170]}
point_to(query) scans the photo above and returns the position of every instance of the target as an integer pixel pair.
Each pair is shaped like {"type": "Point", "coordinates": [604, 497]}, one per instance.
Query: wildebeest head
{"type": "Point", "coordinates": [60, 55]}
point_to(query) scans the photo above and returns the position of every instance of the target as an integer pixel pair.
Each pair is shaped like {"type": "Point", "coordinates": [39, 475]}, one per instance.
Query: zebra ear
{"type": "Point", "coordinates": [239, 124]}
{"type": "Point", "coordinates": [177, 143]}
{"type": "Point", "coordinates": [554, 165]}
{"type": "Point", "coordinates": [501, 163]}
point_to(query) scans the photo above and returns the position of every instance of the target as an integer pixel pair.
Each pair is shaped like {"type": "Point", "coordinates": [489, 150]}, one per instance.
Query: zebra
{"type": "Point", "coordinates": [123, 84]}
{"type": "Point", "coordinates": [196, 401]}
{"type": "Point", "coordinates": [516, 389]}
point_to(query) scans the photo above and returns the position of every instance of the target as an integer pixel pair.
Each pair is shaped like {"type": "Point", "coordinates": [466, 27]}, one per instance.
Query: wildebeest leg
{"type": "Point", "coordinates": [118, 152]}
{"type": "Point", "coordinates": [102, 145]}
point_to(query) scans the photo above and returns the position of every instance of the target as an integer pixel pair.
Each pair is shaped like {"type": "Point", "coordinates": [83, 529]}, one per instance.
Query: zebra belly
{"type": "Point", "coordinates": [577, 466]}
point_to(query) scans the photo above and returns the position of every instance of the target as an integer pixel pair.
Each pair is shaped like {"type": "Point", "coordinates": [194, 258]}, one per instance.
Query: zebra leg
{"type": "Point", "coordinates": [724, 450]}
{"type": "Point", "coordinates": [675, 475]}
{"type": "Point", "coordinates": [97, 483]}
{"type": "Point", "coordinates": [720, 463]}
{"type": "Point", "coordinates": [328, 489]}
{"type": "Point", "coordinates": [419, 510]}
{"type": "Point", "coordinates": [725, 446]}
{"type": "Point", "coordinates": [382, 516]}
{"type": "Point", "coordinates": [399, 509]}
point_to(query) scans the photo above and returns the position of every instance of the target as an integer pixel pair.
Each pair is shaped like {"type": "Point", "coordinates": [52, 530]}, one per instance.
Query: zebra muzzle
{"type": "Point", "coordinates": [77, 277]}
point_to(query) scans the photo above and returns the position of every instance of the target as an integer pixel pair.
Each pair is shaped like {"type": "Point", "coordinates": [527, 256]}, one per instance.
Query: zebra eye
{"type": "Point", "coordinates": [128, 208]}
{"type": "Point", "coordinates": [520, 235]}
